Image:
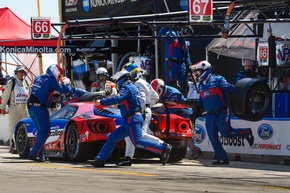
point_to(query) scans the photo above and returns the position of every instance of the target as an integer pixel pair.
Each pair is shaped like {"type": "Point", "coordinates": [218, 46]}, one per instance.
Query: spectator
{"type": "Point", "coordinates": [172, 94]}
{"type": "Point", "coordinates": [128, 99]}
{"type": "Point", "coordinates": [213, 90]}
{"type": "Point", "coordinates": [43, 87]}
{"type": "Point", "coordinates": [148, 97]}
{"type": "Point", "coordinates": [102, 85]}
{"type": "Point", "coordinates": [248, 70]}
{"type": "Point", "coordinates": [176, 57]}
{"type": "Point", "coordinates": [15, 95]}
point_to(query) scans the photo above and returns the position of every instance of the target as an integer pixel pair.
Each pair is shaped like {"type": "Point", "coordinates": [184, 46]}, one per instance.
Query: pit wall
{"type": "Point", "coordinates": [271, 141]}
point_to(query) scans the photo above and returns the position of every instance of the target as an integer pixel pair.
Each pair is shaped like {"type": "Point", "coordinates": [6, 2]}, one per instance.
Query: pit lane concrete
{"type": "Point", "coordinates": [18, 175]}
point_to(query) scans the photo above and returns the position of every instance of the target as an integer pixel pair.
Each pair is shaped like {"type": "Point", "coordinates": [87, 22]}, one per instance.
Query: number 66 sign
{"type": "Point", "coordinates": [40, 28]}
{"type": "Point", "coordinates": [200, 11]}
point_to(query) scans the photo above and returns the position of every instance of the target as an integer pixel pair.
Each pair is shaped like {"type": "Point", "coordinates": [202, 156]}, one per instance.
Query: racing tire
{"type": "Point", "coordinates": [22, 143]}
{"type": "Point", "coordinates": [250, 99]}
{"type": "Point", "coordinates": [74, 151]}
{"type": "Point", "coordinates": [178, 152]}
{"type": "Point", "coordinates": [90, 96]}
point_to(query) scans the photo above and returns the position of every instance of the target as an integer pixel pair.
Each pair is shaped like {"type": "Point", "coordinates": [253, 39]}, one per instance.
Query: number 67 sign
{"type": "Point", "coordinates": [200, 10]}
{"type": "Point", "coordinates": [40, 28]}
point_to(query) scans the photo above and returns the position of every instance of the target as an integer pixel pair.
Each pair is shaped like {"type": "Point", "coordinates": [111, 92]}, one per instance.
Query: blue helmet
{"type": "Point", "coordinates": [135, 72]}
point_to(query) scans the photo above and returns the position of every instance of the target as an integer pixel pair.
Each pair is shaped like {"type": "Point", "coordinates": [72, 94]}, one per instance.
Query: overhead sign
{"type": "Point", "coordinates": [90, 9]}
{"type": "Point", "coordinates": [282, 53]}
{"type": "Point", "coordinates": [200, 11]}
{"type": "Point", "coordinates": [40, 28]}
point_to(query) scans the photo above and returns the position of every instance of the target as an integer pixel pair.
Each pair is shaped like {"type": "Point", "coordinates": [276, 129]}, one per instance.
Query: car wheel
{"type": "Point", "coordinates": [72, 145]}
{"type": "Point", "coordinates": [21, 141]}
{"type": "Point", "coordinates": [90, 96]}
{"type": "Point", "coordinates": [250, 99]}
{"type": "Point", "coordinates": [178, 151]}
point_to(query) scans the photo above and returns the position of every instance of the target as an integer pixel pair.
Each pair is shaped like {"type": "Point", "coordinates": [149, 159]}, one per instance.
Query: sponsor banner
{"type": "Point", "coordinates": [88, 9]}
{"type": "Point", "coordinates": [282, 53]}
{"type": "Point", "coordinates": [271, 137]}
{"type": "Point", "coordinates": [37, 49]}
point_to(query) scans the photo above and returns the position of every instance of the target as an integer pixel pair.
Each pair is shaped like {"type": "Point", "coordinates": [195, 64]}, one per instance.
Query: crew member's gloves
{"type": "Point", "coordinates": [73, 88]}
{"type": "Point", "coordinates": [101, 93]}
{"type": "Point", "coordinates": [197, 113]}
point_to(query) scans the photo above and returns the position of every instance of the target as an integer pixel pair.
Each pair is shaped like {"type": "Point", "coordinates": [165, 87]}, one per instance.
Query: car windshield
{"type": "Point", "coordinates": [66, 112]}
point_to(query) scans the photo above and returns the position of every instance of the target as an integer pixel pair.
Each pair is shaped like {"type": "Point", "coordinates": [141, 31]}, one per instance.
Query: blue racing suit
{"type": "Point", "coordinates": [172, 94]}
{"type": "Point", "coordinates": [213, 100]}
{"type": "Point", "coordinates": [175, 55]}
{"type": "Point", "coordinates": [42, 89]}
{"type": "Point", "coordinates": [246, 74]}
{"type": "Point", "coordinates": [130, 108]}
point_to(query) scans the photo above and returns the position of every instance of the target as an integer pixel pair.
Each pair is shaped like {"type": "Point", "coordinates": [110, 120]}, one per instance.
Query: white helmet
{"type": "Point", "coordinates": [159, 86]}
{"type": "Point", "coordinates": [54, 70]}
{"type": "Point", "coordinates": [102, 71]}
{"type": "Point", "coordinates": [204, 68]}
{"type": "Point", "coordinates": [121, 77]}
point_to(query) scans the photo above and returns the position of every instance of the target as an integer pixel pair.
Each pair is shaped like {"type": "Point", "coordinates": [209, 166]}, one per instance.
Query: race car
{"type": "Point", "coordinates": [79, 130]}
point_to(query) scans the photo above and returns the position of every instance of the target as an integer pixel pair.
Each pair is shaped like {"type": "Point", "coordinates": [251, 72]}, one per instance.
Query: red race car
{"type": "Point", "coordinates": [79, 130]}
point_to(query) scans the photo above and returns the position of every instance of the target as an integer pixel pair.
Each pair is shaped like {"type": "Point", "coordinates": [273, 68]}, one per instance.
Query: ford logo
{"type": "Point", "coordinates": [265, 131]}
{"type": "Point", "coordinates": [34, 132]}
{"type": "Point", "coordinates": [199, 134]}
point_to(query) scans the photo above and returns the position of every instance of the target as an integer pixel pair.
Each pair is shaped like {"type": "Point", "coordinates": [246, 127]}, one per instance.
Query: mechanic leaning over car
{"type": "Point", "coordinates": [43, 87]}
{"type": "Point", "coordinates": [148, 98]}
{"type": "Point", "coordinates": [213, 90]}
{"type": "Point", "coordinates": [15, 95]}
{"type": "Point", "coordinates": [58, 100]}
{"type": "Point", "coordinates": [169, 93]}
{"type": "Point", "coordinates": [130, 107]}
{"type": "Point", "coordinates": [103, 86]}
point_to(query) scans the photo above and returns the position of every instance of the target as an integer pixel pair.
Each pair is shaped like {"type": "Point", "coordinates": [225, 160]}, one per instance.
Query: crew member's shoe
{"type": "Point", "coordinates": [36, 158]}
{"type": "Point", "coordinates": [126, 162]}
{"type": "Point", "coordinates": [194, 156]}
{"type": "Point", "coordinates": [165, 153]}
{"type": "Point", "coordinates": [97, 163]}
{"type": "Point", "coordinates": [221, 162]}
{"type": "Point", "coordinates": [13, 150]}
{"type": "Point", "coordinates": [250, 139]}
